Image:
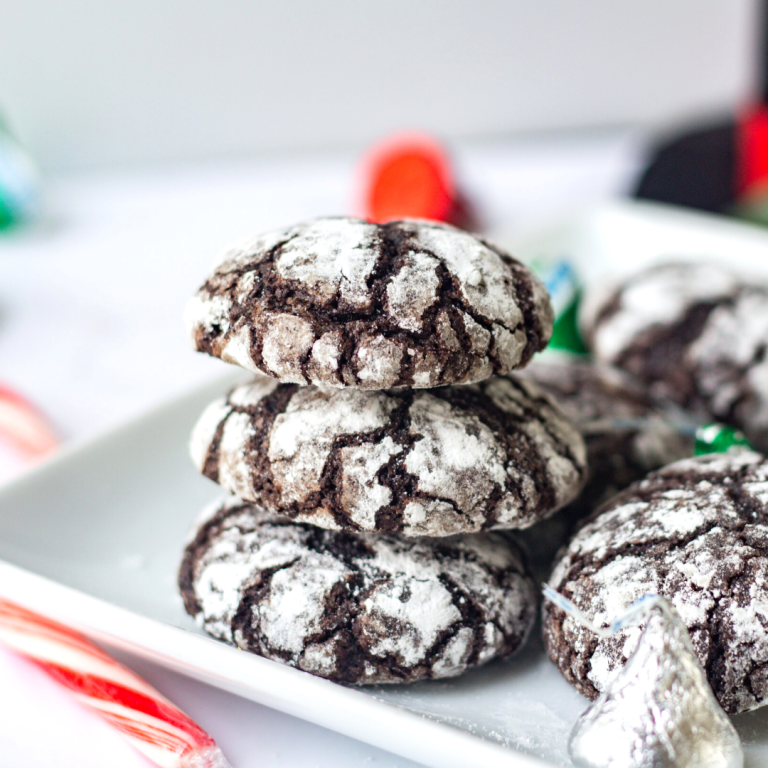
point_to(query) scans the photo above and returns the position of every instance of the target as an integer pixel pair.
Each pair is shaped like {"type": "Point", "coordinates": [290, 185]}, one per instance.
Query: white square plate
{"type": "Point", "coordinates": [94, 538]}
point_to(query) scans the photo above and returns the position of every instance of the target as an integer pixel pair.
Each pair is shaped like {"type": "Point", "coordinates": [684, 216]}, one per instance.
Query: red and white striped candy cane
{"type": "Point", "coordinates": [24, 426]}
{"type": "Point", "coordinates": [154, 726]}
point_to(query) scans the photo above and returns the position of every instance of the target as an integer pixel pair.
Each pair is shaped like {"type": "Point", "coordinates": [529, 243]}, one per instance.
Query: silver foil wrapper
{"type": "Point", "coordinates": [659, 711]}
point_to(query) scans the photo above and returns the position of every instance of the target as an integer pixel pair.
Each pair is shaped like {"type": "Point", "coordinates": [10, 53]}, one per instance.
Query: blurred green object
{"type": "Point", "coordinates": [562, 283]}
{"type": "Point", "coordinates": [6, 216]}
{"type": "Point", "coordinates": [565, 334]}
{"type": "Point", "coordinates": [755, 209]}
{"type": "Point", "coordinates": [718, 438]}
{"type": "Point", "coordinates": [18, 182]}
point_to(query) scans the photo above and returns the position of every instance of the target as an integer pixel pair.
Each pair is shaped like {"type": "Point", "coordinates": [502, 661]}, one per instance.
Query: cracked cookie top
{"type": "Point", "coordinates": [346, 303]}
{"type": "Point", "coordinates": [693, 333]}
{"type": "Point", "coordinates": [356, 608]}
{"type": "Point", "coordinates": [695, 532]}
{"type": "Point", "coordinates": [498, 454]}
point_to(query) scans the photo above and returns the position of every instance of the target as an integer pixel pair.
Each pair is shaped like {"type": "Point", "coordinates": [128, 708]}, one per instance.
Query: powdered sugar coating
{"type": "Point", "coordinates": [498, 454]}
{"type": "Point", "coordinates": [695, 532]}
{"type": "Point", "coordinates": [731, 366]}
{"type": "Point", "coordinates": [662, 295]}
{"type": "Point", "coordinates": [695, 334]}
{"type": "Point", "coordinates": [355, 608]}
{"type": "Point", "coordinates": [332, 258]}
{"type": "Point", "coordinates": [345, 303]}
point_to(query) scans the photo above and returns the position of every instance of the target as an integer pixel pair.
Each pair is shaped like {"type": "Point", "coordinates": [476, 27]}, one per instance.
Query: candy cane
{"type": "Point", "coordinates": [24, 426]}
{"type": "Point", "coordinates": [154, 726]}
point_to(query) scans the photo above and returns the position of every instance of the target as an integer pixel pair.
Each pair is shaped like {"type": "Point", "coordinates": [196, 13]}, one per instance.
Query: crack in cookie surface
{"type": "Point", "coordinates": [342, 302]}
{"type": "Point", "coordinates": [355, 608]}
{"type": "Point", "coordinates": [692, 333]}
{"type": "Point", "coordinates": [498, 454]}
{"type": "Point", "coordinates": [695, 532]}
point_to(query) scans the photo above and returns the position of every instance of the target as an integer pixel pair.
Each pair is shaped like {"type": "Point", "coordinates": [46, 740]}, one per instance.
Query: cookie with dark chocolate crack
{"type": "Point", "coordinates": [356, 608]}
{"type": "Point", "coordinates": [695, 532]}
{"type": "Point", "coordinates": [626, 432]}
{"type": "Point", "coordinates": [343, 302]}
{"type": "Point", "coordinates": [693, 333]}
{"type": "Point", "coordinates": [498, 454]}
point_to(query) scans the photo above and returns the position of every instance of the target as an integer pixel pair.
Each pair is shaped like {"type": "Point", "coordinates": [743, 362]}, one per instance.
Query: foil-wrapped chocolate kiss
{"type": "Point", "coordinates": [658, 711]}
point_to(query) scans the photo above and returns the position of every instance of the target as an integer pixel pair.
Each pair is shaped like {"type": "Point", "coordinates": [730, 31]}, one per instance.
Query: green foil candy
{"type": "Point", "coordinates": [565, 334]}
{"type": "Point", "coordinates": [18, 182]}
{"type": "Point", "coordinates": [718, 438]}
{"type": "Point", "coordinates": [564, 289]}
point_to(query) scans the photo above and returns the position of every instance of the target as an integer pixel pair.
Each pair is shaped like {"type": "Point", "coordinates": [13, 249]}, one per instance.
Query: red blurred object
{"type": "Point", "coordinates": [24, 427]}
{"type": "Point", "coordinates": [712, 165]}
{"type": "Point", "coordinates": [409, 175]}
{"type": "Point", "coordinates": [151, 724]}
{"type": "Point", "coordinates": [752, 152]}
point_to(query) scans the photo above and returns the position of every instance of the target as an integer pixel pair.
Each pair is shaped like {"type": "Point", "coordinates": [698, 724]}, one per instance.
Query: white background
{"type": "Point", "coordinates": [92, 83]}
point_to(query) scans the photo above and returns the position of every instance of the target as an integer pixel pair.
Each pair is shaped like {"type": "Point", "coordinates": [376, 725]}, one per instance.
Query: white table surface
{"type": "Point", "coordinates": [90, 304]}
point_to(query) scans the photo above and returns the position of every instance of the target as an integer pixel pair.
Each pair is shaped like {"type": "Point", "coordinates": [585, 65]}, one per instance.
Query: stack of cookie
{"type": "Point", "coordinates": [380, 441]}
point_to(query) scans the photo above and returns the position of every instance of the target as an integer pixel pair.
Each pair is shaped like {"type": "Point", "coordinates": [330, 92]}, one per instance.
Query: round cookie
{"type": "Point", "coordinates": [693, 333]}
{"type": "Point", "coordinates": [626, 432]}
{"type": "Point", "coordinates": [695, 532]}
{"type": "Point", "coordinates": [498, 454]}
{"type": "Point", "coordinates": [346, 303]}
{"type": "Point", "coordinates": [356, 608]}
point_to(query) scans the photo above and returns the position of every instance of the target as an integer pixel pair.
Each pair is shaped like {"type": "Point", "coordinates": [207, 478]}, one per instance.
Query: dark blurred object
{"type": "Point", "coordinates": [696, 169]}
{"type": "Point", "coordinates": [721, 166]}
{"type": "Point", "coordinates": [410, 175]}
{"type": "Point", "coordinates": [713, 168]}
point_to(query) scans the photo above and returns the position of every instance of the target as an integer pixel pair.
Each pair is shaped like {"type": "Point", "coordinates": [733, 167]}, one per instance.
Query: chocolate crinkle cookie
{"type": "Point", "coordinates": [626, 432]}
{"type": "Point", "coordinates": [345, 303]}
{"type": "Point", "coordinates": [695, 532]}
{"type": "Point", "coordinates": [498, 454]}
{"type": "Point", "coordinates": [356, 608]}
{"type": "Point", "coordinates": [693, 333]}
